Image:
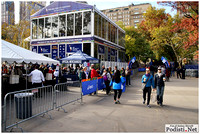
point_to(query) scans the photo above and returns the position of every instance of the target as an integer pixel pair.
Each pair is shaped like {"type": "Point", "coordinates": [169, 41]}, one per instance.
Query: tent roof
{"type": "Point", "coordinates": [62, 6]}
{"type": "Point", "coordinates": [79, 57]}
{"type": "Point", "coordinates": [12, 53]}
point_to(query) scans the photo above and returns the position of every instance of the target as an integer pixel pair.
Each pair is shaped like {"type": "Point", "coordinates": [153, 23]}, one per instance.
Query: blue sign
{"type": "Point", "coordinates": [101, 49]}
{"type": "Point", "coordinates": [34, 49]}
{"type": "Point", "coordinates": [112, 52]}
{"type": "Point", "coordinates": [74, 47]}
{"type": "Point", "coordinates": [62, 50]}
{"type": "Point", "coordinates": [101, 84]}
{"type": "Point", "coordinates": [89, 87]}
{"type": "Point", "coordinates": [54, 49]}
{"type": "Point", "coordinates": [71, 40]}
{"type": "Point", "coordinates": [131, 62]}
{"type": "Point", "coordinates": [44, 49]}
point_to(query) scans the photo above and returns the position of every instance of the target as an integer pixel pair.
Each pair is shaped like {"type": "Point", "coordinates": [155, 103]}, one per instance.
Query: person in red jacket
{"type": "Point", "coordinates": [92, 74]}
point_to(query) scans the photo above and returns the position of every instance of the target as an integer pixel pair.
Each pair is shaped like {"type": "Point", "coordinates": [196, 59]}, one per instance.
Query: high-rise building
{"type": "Point", "coordinates": [7, 12]}
{"type": "Point", "coordinates": [27, 8]}
{"type": "Point", "coordinates": [130, 15]}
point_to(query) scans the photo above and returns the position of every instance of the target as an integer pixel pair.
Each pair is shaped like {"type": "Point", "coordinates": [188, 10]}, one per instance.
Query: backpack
{"type": "Point", "coordinates": [105, 78]}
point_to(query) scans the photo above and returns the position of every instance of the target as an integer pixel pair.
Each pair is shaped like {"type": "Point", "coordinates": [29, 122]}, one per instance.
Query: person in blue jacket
{"type": "Point", "coordinates": [149, 81]}
{"type": "Point", "coordinates": [116, 82]}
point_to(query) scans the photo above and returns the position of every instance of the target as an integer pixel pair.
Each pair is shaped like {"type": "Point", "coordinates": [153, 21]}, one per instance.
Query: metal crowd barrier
{"type": "Point", "coordinates": [64, 96]}
{"type": "Point", "coordinates": [23, 105]}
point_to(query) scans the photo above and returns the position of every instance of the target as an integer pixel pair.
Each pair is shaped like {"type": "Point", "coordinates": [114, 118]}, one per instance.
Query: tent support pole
{"type": "Point", "coordinates": [26, 75]}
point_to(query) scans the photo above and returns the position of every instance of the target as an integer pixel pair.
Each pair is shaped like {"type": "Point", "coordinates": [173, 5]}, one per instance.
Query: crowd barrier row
{"type": "Point", "coordinates": [21, 106]}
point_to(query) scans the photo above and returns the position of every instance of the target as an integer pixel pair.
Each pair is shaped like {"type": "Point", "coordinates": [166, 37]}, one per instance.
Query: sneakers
{"type": "Point", "coordinates": [148, 106]}
{"type": "Point", "coordinates": [143, 102]}
{"type": "Point", "coordinates": [158, 102]}
{"type": "Point", "coordinates": [117, 102]}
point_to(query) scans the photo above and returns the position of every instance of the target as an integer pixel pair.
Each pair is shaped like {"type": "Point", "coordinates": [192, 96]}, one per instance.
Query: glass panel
{"type": "Point", "coordinates": [106, 26]}
{"type": "Point", "coordinates": [87, 23]}
{"type": "Point", "coordinates": [47, 30]}
{"type": "Point", "coordinates": [70, 24]}
{"type": "Point", "coordinates": [103, 28]}
{"type": "Point", "coordinates": [112, 33]}
{"type": "Point", "coordinates": [99, 26]}
{"type": "Point", "coordinates": [87, 48]}
{"type": "Point", "coordinates": [34, 29]}
{"type": "Point", "coordinates": [96, 16]}
{"type": "Point", "coordinates": [41, 28]}
{"type": "Point", "coordinates": [78, 24]}
{"type": "Point", "coordinates": [62, 25]}
{"type": "Point", "coordinates": [55, 26]}
{"type": "Point", "coordinates": [109, 31]}
{"type": "Point", "coordinates": [106, 53]}
{"type": "Point", "coordinates": [115, 35]}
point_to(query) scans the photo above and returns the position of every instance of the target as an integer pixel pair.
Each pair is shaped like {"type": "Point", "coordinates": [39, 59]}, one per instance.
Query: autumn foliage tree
{"type": "Point", "coordinates": [187, 25]}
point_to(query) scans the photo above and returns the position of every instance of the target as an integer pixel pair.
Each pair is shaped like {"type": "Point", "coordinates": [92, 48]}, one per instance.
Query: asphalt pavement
{"type": "Point", "coordinates": [100, 114]}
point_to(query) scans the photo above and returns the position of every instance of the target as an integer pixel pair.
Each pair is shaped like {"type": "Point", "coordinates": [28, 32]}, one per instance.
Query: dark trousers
{"type": "Point", "coordinates": [107, 86]}
{"type": "Point", "coordinates": [39, 93]}
{"type": "Point", "coordinates": [119, 92]}
{"type": "Point", "coordinates": [128, 81]}
{"type": "Point", "coordinates": [145, 91]}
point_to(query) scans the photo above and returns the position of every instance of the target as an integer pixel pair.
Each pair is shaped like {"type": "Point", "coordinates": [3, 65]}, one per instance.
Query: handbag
{"type": "Point", "coordinates": [144, 84]}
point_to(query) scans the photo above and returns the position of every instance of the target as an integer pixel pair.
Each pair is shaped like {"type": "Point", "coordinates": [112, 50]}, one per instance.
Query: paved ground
{"type": "Point", "coordinates": [100, 114]}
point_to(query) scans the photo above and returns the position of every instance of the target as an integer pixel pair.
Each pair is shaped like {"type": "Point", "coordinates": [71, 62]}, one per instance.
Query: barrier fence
{"type": "Point", "coordinates": [113, 64]}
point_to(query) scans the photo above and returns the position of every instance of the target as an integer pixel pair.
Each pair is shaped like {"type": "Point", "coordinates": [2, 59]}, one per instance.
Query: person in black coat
{"type": "Point", "coordinates": [160, 84]}
{"type": "Point", "coordinates": [84, 73]}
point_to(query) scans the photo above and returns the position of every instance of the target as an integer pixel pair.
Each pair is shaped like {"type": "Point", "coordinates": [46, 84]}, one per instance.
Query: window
{"type": "Point", "coordinates": [70, 24]}
{"type": "Point", "coordinates": [41, 28]}
{"type": "Point", "coordinates": [136, 21]}
{"type": "Point", "coordinates": [62, 25]}
{"type": "Point", "coordinates": [135, 25]}
{"type": "Point", "coordinates": [87, 23]}
{"type": "Point", "coordinates": [96, 24]}
{"type": "Point", "coordinates": [78, 23]}
{"type": "Point", "coordinates": [136, 8]}
{"type": "Point", "coordinates": [99, 25]}
{"type": "Point", "coordinates": [47, 30]}
{"type": "Point", "coordinates": [55, 26]}
{"type": "Point", "coordinates": [144, 12]}
{"type": "Point", "coordinates": [136, 13]}
{"type": "Point", "coordinates": [103, 28]}
{"type": "Point", "coordinates": [106, 29]}
{"type": "Point", "coordinates": [95, 50]}
{"type": "Point", "coordinates": [34, 29]}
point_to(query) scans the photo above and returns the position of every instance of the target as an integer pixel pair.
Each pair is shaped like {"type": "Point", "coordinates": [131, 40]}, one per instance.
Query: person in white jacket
{"type": "Point", "coordinates": [56, 74]}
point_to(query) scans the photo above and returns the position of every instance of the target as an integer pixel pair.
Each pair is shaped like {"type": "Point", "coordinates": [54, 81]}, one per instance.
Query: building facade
{"type": "Point", "coordinates": [62, 28]}
{"type": "Point", "coordinates": [7, 12]}
{"type": "Point", "coordinates": [130, 15]}
{"type": "Point", "coordinates": [28, 7]}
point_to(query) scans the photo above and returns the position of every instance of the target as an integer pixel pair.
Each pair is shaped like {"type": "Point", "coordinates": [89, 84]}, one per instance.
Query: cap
{"type": "Point", "coordinates": [147, 69]}
{"type": "Point", "coordinates": [159, 68]}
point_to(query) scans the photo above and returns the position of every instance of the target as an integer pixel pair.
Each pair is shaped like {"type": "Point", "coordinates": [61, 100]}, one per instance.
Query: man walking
{"type": "Point", "coordinates": [128, 74]}
{"type": "Point", "coordinates": [102, 70]}
{"type": "Point", "coordinates": [148, 80]}
{"type": "Point", "coordinates": [159, 84]}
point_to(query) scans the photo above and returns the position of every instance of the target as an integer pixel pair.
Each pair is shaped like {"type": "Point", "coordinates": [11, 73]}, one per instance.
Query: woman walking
{"type": "Point", "coordinates": [117, 82]}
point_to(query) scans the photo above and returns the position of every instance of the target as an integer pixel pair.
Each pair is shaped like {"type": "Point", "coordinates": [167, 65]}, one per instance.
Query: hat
{"type": "Point", "coordinates": [147, 69]}
{"type": "Point", "coordinates": [159, 68]}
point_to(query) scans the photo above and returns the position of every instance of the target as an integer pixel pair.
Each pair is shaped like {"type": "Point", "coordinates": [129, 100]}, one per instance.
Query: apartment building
{"type": "Point", "coordinates": [7, 12]}
{"type": "Point", "coordinates": [130, 15]}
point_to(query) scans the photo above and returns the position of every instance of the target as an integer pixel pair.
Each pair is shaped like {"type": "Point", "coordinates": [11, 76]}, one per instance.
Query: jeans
{"type": "Point", "coordinates": [119, 94]}
{"type": "Point", "coordinates": [145, 91]}
{"type": "Point", "coordinates": [160, 92]}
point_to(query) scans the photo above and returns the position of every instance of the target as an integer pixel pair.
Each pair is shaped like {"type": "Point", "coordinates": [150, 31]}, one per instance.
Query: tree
{"type": "Point", "coordinates": [188, 25]}
{"type": "Point", "coordinates": [136, 44]}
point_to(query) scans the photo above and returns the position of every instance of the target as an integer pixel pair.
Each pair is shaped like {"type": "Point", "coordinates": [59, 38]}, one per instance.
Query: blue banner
{"type": "Point", "coordinates": [101, 84]}
{"type": "Point", "coordinates": [101, 49]}
{"type": "Point", "coordinates": [89, 87]}
{"type": "Point", "coordinates": [62, 50]}
{"type": "Point", "coordinates": [44, 49]}
{"type": "Point", "coordinates": [131, 62]}
{"type": "Point", "coordinates": [34, 49]}
{"type": "Point", "coordinates": [112, 52]}
{"type": "Point", "coordinates": [54, 49]}
{"type": "Point", "coordinates": [74, 47]}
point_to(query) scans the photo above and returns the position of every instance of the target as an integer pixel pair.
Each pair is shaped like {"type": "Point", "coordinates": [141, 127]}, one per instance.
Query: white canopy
{"type": "Point", "coordinates": [12, 53]}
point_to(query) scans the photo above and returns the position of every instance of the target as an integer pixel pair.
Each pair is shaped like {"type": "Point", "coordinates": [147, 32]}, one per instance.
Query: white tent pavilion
{"type": "Point", "coordinates": [12, 53]}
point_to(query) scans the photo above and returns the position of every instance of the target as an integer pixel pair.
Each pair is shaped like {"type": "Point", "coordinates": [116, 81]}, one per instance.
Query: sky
{"type": "Point", "coordinates": [106, 4]}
